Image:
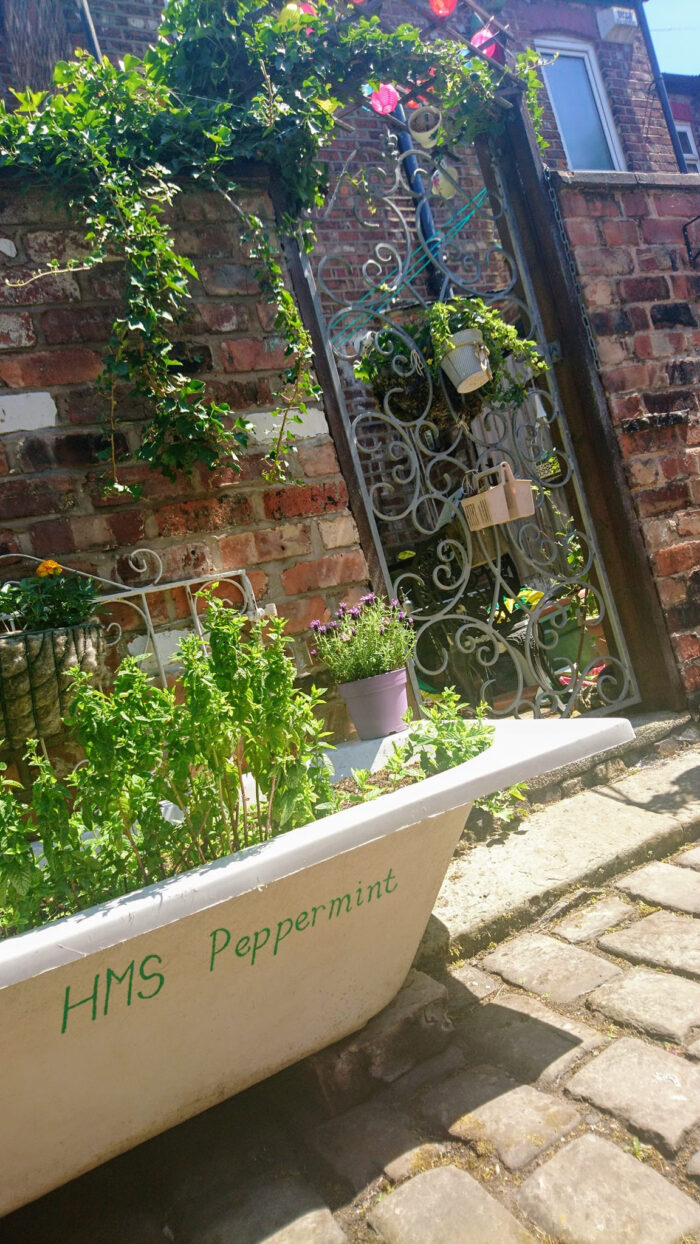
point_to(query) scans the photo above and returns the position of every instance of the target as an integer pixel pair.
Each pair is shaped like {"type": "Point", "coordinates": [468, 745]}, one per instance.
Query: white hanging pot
{"type": "Point", "coordinates": [445, 181]}
{"type": "Point", "coordinates": [423, 126]}
{"type": "Point", "coordinates": [466, 364]}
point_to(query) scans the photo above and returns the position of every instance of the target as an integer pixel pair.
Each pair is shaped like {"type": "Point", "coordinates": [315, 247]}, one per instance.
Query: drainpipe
{"type": "Point", "coordinates": [418, 190]}
{"type": "Point", "coordinates": [83, 7]}
{"type": "Point", "coordinates": [660, 84]}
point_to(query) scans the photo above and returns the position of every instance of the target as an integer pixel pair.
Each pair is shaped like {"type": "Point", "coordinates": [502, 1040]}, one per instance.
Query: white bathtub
{"type": "Point", "coordinates": [122, 1021]}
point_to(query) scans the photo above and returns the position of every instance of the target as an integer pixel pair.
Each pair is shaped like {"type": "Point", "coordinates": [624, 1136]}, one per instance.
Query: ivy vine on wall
{"type": "Point", "coordinates": [226, 80]}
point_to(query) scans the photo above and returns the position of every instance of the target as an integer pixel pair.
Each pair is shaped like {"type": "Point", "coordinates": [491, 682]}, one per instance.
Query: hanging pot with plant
{"type": "Point", "coordinates": [49, 633]}
{"type": "Point", "coordinates": [365, 648]}
{"type": "Point", "coordinates": [424, 125]}
{"type": "Point", "coordinates": [466, 362]}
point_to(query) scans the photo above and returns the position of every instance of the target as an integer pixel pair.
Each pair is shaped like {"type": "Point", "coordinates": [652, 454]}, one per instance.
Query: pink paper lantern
{"type": "Point", "coordinates": [385, 99]}
{"type": "Point", "coordinates": [487, 40]}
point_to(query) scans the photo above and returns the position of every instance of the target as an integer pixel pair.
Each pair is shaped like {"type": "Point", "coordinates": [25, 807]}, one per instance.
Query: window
{"type": "Point", "coordinates": [580, 105]}
{"type": "Point", "coordinates": [688, 147]}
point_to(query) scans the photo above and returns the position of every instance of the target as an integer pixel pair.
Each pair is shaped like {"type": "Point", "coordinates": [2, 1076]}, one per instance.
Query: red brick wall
{"type": "Point", "coordinates": [643, 299]}
{"type": "Point", "coordinates": [685, 106]}
{"type": "Point", "coordinates": [298, 539]}
{"type": "Point", "coordinates": [34, 34]}
{"type": "Point", "coordinates": [626, 73]}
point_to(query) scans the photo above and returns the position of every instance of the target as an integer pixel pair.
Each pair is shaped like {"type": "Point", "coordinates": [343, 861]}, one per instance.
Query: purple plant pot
{"type": "Point", "coordinates": [377, 705]}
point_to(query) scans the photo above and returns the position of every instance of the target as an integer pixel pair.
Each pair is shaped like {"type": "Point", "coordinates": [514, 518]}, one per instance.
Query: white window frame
{"type": "Point", "coordinates": [684, 127]}
{"type": "Point", "coordinates": [576, 47]}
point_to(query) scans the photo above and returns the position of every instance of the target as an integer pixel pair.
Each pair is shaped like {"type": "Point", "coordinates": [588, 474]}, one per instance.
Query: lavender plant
{"type": "Point", "coordinates": [363, 640]}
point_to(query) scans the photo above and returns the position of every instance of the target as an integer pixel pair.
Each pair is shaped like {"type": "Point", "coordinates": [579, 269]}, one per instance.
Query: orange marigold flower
{"type": "Point", "coordinates": [48, 567]}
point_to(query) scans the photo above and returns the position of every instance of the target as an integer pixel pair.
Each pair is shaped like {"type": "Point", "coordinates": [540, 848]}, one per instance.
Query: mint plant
{"type": "Point", "coordinates": [241, 758]}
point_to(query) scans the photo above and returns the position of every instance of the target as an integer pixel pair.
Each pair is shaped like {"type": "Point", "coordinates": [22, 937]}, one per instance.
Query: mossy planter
{"type": "Point", "coordinates": [35, 677]}
{"type": "Point", "coordinates": [128, 1018]}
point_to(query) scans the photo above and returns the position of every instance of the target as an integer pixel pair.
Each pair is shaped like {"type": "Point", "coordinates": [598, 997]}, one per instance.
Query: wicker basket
{"type": "Point", "coordinates": [510, 498]}
{"type": "Point", "coordinates": [35, 677]}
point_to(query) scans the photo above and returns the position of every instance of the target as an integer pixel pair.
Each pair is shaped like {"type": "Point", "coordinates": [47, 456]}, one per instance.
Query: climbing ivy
{"type": "Point", "coordinates": [226, 81]}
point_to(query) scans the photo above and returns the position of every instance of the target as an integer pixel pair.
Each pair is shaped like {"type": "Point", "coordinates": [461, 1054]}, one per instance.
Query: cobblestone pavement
{"type": "Point", "coordinates": [566, 1107]}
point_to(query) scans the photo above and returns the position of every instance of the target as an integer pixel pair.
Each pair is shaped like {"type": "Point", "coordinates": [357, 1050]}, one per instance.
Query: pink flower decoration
{"type": "Point", "coordinates": [385, 99]}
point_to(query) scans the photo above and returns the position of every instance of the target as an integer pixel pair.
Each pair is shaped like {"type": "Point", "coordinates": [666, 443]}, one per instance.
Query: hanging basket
{"type": "Point", "coordinates": [510, 498]}
{"type": "Point", "coordinates": [35, 677]}
{"type": "Point", "coordinates": [466, 364]}
{"type": "Point", "coordinates": [423, 126]}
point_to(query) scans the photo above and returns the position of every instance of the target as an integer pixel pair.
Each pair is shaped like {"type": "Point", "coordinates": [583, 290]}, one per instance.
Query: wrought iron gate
{"type": "Point", "coordinates": [518, 614]}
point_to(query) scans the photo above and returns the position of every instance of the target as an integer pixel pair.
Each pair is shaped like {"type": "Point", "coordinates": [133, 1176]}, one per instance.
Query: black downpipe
{"type": "Point", "coordinates": [660, 85]}
{"type": "Point", "coordinates": [88, 25]}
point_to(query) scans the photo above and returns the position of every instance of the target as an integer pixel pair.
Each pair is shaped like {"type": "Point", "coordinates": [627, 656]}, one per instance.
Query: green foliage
{"type": "Point", "coordinates": [528, 63]}
{"type": "Point", "coordinates": [226, 80]}
{"type": "Point", "coordinates": [241, 758]}
{"type": "Point", "coordinates": [442, 738]}
{"type": "Point", "coordinates": [367, 639]}
{"type": "Point", "coordinates": [432, 331]}
{"type": "Point", "coordinates": [49, 598]}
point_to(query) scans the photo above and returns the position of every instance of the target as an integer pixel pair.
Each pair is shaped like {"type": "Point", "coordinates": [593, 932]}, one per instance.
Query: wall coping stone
{"type": "Point", "coordinates": [614, 180]}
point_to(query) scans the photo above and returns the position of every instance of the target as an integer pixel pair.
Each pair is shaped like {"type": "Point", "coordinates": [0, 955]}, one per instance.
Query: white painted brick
{"type": "Point", "coordinates": [266, 426]}
{"type": "Point", "coordinates": [25, 412]}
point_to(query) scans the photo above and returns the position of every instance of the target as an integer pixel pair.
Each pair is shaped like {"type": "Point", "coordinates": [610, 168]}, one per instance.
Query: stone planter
{"type": "Point", "coordinates": [126, 1019]}
{"type": "Point", "coordinates": [35, 676]}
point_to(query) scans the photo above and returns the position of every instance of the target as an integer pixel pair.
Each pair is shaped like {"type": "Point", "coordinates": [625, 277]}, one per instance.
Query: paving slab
{"type": "Point", "coordinates": [593, 1193]}
{"type": "Point", "coordinates": [367, 1141]}
{"type": "Point", "coordinates": [656, 1094]}
{"type": "Point", "coordinates": [445, 1206]}
{"type": "Point", "coordinates": [543, 965]}
{"type": "Point", "coordinates": [498, 887]}
{"type": "Point", "coordinates": [672, 787]}
{"type": "Point", "coordinates": [689, 859]}
{"type": "Point", "coordinates": [652, 1003]}
{"type": "Point", "coordinates": [693, 1167]}
{"type": "Point", "coordinates": [527, 1039]}
{"type": "Point", "coordinates": [593, 919]}
{"type": "Point", "coordinates": [663, 939]}
{"type": "Point", "coordinates": [284, 1212]}
{"type": "Point", "coordinates": [486, 1105]}
{"type": "Point", "coordinates": [664, 885]}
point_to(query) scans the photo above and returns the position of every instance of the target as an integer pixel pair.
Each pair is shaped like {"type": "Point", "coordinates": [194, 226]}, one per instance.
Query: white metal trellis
{"type": "Point", "coordinates": [148, 565]}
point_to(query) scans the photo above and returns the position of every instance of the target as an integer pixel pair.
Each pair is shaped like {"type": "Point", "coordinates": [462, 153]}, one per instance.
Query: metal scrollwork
{"type": "Point", "coordinates": [518, 614]}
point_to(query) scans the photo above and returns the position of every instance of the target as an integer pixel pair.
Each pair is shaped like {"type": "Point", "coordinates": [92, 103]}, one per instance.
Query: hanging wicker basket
{"type": "Point", "coordinates": [510, 498]}
{"type": "Point", "coordinates": [35, 677]}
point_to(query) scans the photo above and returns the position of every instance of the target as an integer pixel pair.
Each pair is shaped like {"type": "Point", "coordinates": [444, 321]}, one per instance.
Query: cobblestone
{"type": "Point", "coordinates": [542, 965]}
{"type": "Point", "coordinates": [652, 1003]}
{"type": "Point", "coordinates": [486, 1105]}
{"type": "Point", "coordinates": [689, 859]}
{"type": "Point", "coordinates": [527, 1039]}
{"type": "Point", "coordinates": [663, 939]}
{"type": "Point", "coordinates": [595, 918]}
{"type": "Point", "coordinates": [445, 1206]}
{"type": "Point", "coordinates": [665, 885]}
{"type": "Point", "coordinates": [592, 1193]}
{"type": "Point", "coordinates": [372, 1139]}
{"type": "Point", "coordinates": [655, 1093]}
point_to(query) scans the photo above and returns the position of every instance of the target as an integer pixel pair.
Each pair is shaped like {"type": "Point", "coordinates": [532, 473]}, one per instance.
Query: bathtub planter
{"type": "Point", "coordinates": [377, 705]}
{"type": "Point", "coordinates": [128, 1018]}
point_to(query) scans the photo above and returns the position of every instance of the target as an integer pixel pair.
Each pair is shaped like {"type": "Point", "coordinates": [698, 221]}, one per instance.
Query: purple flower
{"type": "Point", "coordinates": [322, 630]}
{"type": "Point", "coordinates": [333, 626]}
{"type": "Point", "coordinates": [382, 630]}
{"type": "Point", "coordinates": [353, 630]}
{"type": "Point", "coordinates": [313, 652]}
{"type": "Point", "coordinates": [355, 613]}
{"type": "Point", "coordinates": [411, 622]}
{"type": "Point", "coordinates": [369, 599]}
{"type": "Point", "coordinates": [394, 604]}
{"type": "Point", "coordinates": [402, 616]}
{"type": "Point", "coordinates": [315, 625]}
